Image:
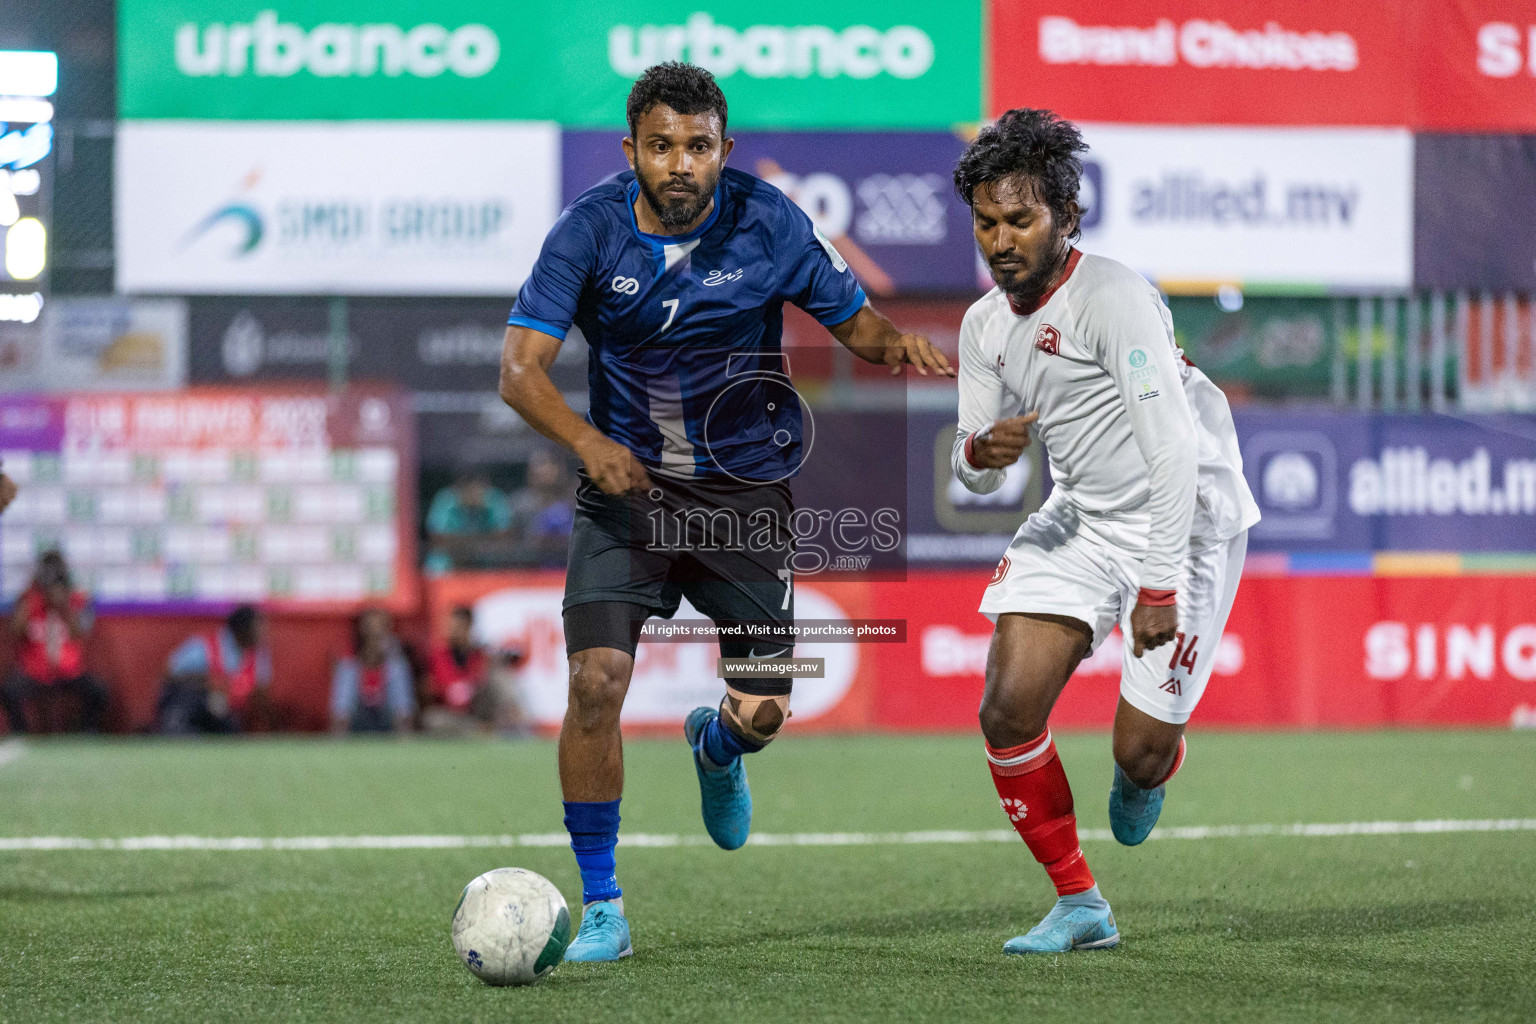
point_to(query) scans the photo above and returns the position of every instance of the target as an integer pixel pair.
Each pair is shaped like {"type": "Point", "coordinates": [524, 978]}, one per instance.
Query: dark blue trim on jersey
{"type": "Point", "coordinates": [633, 192]}
{"type": "Point", "coordinates": [854, 305]}
{"type": "Point", "coordinates": [529, 322]}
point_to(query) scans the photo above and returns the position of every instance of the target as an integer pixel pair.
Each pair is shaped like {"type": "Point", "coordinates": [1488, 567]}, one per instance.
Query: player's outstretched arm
{"type": "Point", "coordinates": [526, 356]}
{"type": "Point", "coordinates": [875, 339]}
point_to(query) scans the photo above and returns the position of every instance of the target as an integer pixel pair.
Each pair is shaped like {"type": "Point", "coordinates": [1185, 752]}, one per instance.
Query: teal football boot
{"type": "Point", "coordinates": [604, 935]}
{"type": "Point", "coordinates": [724, 795]}
{"type": "Point", "coordinates": [1133, 811]}
{"type": "Point", "coordinates": [1068, 927]}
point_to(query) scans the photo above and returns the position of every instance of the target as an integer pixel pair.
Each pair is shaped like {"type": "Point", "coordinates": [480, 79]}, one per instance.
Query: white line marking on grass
{"type": "Point", "coordinates": [11, 750]}
{"type": "Point", "coordinates": [643, 839]}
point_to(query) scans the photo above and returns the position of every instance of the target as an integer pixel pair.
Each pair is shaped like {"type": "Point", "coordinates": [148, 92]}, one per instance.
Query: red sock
{"type": "Point", "coordinates": [1033, 787]}
{"type": "Point", "coordinates": [1178, 762]}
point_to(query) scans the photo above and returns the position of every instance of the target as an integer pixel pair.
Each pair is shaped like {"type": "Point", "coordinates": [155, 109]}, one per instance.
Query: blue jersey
{"type": "Point", "coordinates": [685, 368]}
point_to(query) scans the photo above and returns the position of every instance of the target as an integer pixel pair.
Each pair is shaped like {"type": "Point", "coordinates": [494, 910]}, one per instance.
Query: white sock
{"type": "Point", "coordinates": [1090, 898]}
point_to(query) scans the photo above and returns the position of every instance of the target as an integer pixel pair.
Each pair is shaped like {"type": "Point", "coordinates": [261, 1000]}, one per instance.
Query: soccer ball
{"type": "Point", "coordinates": [511, 927]}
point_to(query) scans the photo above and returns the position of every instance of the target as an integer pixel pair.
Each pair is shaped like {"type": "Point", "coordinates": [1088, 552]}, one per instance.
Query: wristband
{"type": "Point", "coordinates": [1157, 598]}
{"type": "Point", "coordinates": [970, 439]}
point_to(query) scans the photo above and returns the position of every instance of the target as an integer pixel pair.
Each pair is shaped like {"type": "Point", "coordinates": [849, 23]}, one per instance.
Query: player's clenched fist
{"type": "Point", "coordinates": [919, 351]}
{"type": "Point", "coordinates": [613, 467]}
{"type": "Point", "coordinates": [1000, 445]}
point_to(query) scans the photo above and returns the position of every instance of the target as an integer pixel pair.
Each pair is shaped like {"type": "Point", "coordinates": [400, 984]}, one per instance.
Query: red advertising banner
{"type": "Point", "coordinates": [1282, 62]}
{"type": "Point", "coordinates": [1475, 65]}
{"type": "Point", "coordinates": [1299, 652]}
{"type": "Point", "coordinates": [521, 610]}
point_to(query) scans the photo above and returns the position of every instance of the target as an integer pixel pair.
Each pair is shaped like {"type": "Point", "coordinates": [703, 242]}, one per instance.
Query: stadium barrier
{"type": "Point", "coordinates": [128, 652]}
{"type": "Point", "coordinates": [1301, 651]}
{"type": "Point", "coordinates": [1333, 651]}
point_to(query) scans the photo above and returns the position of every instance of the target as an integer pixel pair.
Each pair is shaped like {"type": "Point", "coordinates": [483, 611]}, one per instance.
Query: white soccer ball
{"type": "Point", "coordinates": [511, 927]}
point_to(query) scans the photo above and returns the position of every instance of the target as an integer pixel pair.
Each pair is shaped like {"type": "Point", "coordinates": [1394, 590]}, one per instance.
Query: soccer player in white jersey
{"type": "Point", "coordinates": [1146, 526]}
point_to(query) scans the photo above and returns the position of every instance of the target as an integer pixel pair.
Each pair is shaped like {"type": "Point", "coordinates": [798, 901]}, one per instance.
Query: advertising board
{"type": "Point", "coordinates": [1403, 651]}
{"type": "Point", "coordinates": [1474, 224]}
{"type": "Point", "coordinates": [1355, 482]}
{"type": "Point", "coordinates": [26, 186]}
{"type": "Point", "coordinates": [892, 63]}
{"type": "Point", "coordinates": [1475, 66]}
{"type": "Point", "coordinates": [1333, 485]}
{"type": "Point", "coordinates": [1270, 346]}
{"type": "Point", "coordinates": [885, 199]}
{"type": "Point", "coordinates": [103, 343]}
{"type": "Point", "coordinates": [522, 610]}
{"type": "Point", "coordinates": [1298, 652]}
{"type": "Point", "coordinates": [1280, 209]}
{"type": "Point", "coordinates": [357, 208]}
{"type": "Point", "coordinates": [199, 499]}
{"type": "Point", "coordinates": [1284, 62]}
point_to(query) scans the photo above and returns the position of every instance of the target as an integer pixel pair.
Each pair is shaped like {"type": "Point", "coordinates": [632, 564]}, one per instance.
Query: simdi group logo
{"type": "Point", "coordinates": [267, 46]}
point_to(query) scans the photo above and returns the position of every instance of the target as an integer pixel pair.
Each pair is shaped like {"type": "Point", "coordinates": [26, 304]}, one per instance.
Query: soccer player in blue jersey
{"type": "Point", "coordinates": [677, 272]}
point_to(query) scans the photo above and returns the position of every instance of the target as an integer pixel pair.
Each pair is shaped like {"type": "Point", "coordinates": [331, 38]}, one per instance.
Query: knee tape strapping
{"type": "Point", "coordinates": [754, 717]}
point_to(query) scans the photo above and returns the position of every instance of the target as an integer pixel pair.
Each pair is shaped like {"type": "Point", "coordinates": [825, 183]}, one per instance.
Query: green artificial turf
{"type": "Point", "coordinates": [1265, 928]}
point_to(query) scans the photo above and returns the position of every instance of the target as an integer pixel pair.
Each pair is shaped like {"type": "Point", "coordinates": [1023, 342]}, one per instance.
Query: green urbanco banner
{"type": "Point", "coordinates": [792, 64]}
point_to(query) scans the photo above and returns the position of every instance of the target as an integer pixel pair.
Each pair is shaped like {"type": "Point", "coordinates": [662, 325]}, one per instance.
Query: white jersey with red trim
{"type": "Point", "coordinates": [1132, 430]}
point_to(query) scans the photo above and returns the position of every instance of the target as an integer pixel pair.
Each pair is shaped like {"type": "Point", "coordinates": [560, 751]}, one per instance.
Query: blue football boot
{"type": "Point", "coordinates": [1132, 810]}
{"type": "Point", "coordinates": [1068, 927]}
{"type": "Point", "coordinates": [604, 935]}
{"type": "Point", "coordinates": [725, 798]}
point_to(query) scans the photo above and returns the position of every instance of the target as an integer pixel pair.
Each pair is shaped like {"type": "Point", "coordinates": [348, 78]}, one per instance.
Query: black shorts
{"type": "Point", "coordinates": [723, 544]}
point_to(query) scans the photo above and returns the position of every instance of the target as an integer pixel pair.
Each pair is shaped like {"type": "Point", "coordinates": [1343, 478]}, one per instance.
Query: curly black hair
{"type": "Point", "coordinates": [1032, 144]}
{"type": "Point", "coordinates": [686, 88]}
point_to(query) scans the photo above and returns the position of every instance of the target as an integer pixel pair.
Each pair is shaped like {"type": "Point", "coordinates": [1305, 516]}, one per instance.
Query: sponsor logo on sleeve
{"type": "Point", "coordinates": [1144, 376]}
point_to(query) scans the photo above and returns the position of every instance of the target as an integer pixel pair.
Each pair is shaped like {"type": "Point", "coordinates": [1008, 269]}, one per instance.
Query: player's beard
{"type": "Point", "coordinates": [1027, 289]}
{"type": "Point", "coordinates": [678, 212]}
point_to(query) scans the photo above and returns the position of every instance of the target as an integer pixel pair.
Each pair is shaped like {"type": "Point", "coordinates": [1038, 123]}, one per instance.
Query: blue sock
{"type": "Point", "coordinates": [722, 746]}
{"type": "Point", "coordinates": [594, 829]}
{"type": "Point", "coordinates": [1091, 898]}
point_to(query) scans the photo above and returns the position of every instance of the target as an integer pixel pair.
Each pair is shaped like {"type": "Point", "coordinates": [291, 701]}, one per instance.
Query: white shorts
{"type": "Point", "coordinates": [1088, 567]}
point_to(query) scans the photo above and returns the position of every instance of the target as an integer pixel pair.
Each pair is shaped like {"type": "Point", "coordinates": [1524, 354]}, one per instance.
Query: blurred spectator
{"type": "Point", "coordinates": [371, 689]}
{"type": "Point", "coordinates": [459, 696]}
{"type": "Point", "coordinates": [465, 523]}
{"type": "Point", "coordinates": [7, 491]}
{"type": "Point", "coordinates": [507, 686]}
{"type": "Point", "coordinates": [543, 511]}
{"type": "Point", "coordinates": [219, 681]}
{"type": "Point", "coordinates": [51, 622]}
